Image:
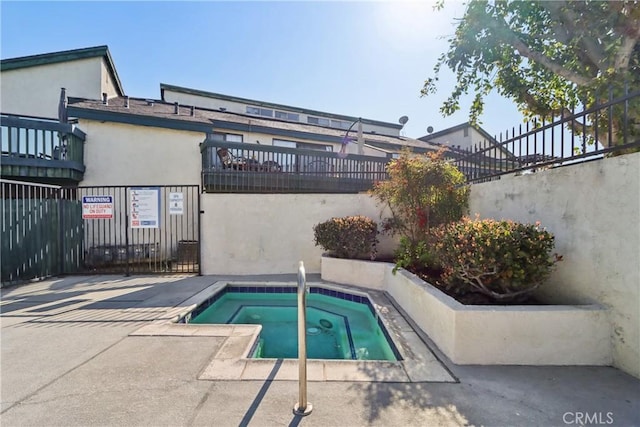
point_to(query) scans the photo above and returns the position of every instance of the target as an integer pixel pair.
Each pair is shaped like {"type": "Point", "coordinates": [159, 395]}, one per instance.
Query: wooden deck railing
{"type": "Point", "coordinates": [44, 149]}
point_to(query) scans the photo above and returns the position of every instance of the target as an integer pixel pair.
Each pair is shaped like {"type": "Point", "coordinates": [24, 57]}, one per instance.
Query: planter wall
{"type": "Point", "coordinates": [487, 335]}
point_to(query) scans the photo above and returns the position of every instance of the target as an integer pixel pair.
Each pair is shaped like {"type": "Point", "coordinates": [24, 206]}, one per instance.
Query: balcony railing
{"type": "Point", "coordinates": [230, 167]}
{"type": "Point", "coordinates": [41, 149]}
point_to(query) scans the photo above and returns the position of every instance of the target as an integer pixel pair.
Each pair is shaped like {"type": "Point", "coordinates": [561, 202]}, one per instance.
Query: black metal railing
{"type": "Point", "coordinates": [229, 167]}
{"type": "Point", "coordinates": [43, 149]}
{"type": "Point", "coordinates": [606, 128]}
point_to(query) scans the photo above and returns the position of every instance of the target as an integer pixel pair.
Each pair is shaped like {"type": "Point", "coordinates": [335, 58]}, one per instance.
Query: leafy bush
{"type": "Point", "coordinates": [423, 191]}
{"type": "Point", "coordinates": [348, 237]}
{"type": "Point", "coordinates": [413, 257]}
{"type": "Point", "coordinates": [504, 260]}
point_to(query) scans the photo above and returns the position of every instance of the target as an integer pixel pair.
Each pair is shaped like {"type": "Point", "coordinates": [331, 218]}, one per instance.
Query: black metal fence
{"type": "Point", "coordinates": [608, 127]}
{"type": "Point", "coordinates": [250, 168]}
{"type": "Point", "coordinates": [134, 230]}
{"type": "Point", "coordinates": [50, 230]}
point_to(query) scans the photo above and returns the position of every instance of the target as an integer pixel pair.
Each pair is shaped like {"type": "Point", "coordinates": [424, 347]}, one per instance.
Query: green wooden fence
{"type": "Point", "coordinates": [41, 232]}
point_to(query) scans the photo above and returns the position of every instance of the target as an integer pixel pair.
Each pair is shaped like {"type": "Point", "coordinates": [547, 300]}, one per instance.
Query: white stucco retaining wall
{"type": "Point", "coordinates": [593, 209]}
{"type": "Point", "coordinates": [487, 335]}
{"type": "Point", "coordinates": [270, 233]}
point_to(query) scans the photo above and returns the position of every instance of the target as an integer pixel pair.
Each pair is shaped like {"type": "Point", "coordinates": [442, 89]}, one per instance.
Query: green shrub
{"type": "Point", "coordinates": [504, 260]}
{"type": "Point", "coordinates": [348, 237]}
{"type": "Point", "coordinates": [413, 257]}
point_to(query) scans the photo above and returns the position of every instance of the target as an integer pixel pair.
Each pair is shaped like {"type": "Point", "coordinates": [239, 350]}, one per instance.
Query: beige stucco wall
{"type": "Point", "coordinates": [121, 154]}
{"type": "Point", "coordinates": [593, 209]}
{"type": "Point", "coordinates": [270, 233]}
{"type": "Point", "coordinates": [35, 91]}
{"type": "Point", "coordinates": [107, 83]}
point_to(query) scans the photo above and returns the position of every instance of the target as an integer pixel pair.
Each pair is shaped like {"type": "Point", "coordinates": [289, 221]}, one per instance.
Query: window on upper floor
{"type": "Point", "coordinates": [318, 121]}
{"type": "Point", "coordinates": [256, 111]}
{"type": "Point", "coordinates": [287, 116]}
{"type": "Point", "coordinates": [340, 124]}
{"type": "Point", "coordinates": [227, 137]}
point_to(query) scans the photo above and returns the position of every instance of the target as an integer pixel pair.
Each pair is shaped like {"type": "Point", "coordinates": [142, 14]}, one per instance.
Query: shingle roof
{"type": "Point", "coordinates": [482, 132]}
{"type": "Point", "coordinates": [161, 114]}
{"type": "Point", "coordinates": [63, 56]}
{"type": "Point", "coordinates": [254, 102]}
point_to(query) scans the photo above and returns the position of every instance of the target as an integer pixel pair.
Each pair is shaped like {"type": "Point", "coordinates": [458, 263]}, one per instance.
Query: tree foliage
{"type": "Point", "coordinates": [548, 56]}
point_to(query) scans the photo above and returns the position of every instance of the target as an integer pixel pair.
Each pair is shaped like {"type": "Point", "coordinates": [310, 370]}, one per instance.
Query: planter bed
{"type": "Point", "coordinates": [486, 334]}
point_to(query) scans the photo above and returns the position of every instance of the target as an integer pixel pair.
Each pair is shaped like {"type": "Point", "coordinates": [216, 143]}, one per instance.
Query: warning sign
{"type": "Point", "coordinates": [97, 207]}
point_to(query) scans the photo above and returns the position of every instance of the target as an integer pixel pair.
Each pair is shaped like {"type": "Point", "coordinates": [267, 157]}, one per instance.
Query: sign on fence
{"type": "Point", "coordinates": [145, 207]}
{"type": "Point", "coordinates": [97, 207]}
{"type": "Point", "coordinates": [176, 203]}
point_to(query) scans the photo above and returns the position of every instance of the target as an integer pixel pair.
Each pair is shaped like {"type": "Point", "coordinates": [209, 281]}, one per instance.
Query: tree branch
{"type": "Point", "coordinates": [512, 38]}
{"type": "Point", "coordinates": [592, 50]}
{"type": "Point", "coordinates": [623, 56]}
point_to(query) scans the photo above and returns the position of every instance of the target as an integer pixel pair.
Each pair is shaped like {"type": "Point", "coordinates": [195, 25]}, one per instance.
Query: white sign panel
{"type": "Point", "coordinates": [97, 207]}
{"type": "Point", "coordinates": [145, 207]}
{"type": "Point", "coordinates": [176, 203]}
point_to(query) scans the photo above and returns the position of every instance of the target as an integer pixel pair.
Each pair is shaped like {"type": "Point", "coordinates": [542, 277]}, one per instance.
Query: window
{"type": "Point", "coordinates": [288, 161]}
{"type": "Point", "coordinates": [466, 132]}
{"type": "Point", "coordinates": [260, 111]}
{"type": "Point", "coordinates": [287, 116]}
{"type": "Point", "coordinates": [227, 137]}
{"type": "Point", "coordinates": [340, 124]}
{"type": "Point", "coordinates": [318, 121]}
{"type": "Point", "coordinates": [302, 145]}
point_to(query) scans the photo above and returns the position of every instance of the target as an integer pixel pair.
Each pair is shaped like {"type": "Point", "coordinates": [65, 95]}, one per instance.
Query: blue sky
{"type": "Point", "coordinates": [366, 59]}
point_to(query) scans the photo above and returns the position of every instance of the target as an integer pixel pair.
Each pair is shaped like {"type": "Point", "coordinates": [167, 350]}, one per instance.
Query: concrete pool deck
{"type": "Point", "coordinates": [82, 351]}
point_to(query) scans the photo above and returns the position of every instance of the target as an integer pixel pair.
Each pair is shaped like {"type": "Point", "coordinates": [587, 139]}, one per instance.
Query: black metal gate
{"type": "Point", "coordinates": [134, 230]}
{"type": "Point", "coordinates": [49, 230]}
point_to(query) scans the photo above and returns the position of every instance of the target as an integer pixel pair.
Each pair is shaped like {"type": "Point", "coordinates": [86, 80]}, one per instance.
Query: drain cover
{"type": "Point", "coordinates": [326, 324]}
{"type": "Point", "coordinates": [313, 331]}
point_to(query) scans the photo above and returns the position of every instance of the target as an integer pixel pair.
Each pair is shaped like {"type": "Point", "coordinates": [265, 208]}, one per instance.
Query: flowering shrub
{"type": "Point", "coordinates": [422, 191]}
{"type": "Point", "coordinates": [348, 237]}
{"type": "Point", "coordinates": [504, 260]}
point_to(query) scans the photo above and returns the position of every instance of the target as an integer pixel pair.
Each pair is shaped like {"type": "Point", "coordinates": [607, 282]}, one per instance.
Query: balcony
{"type": "Point", "coordinates": [229, 167]}
{"type": "Point", "coordinates": [41, 150]}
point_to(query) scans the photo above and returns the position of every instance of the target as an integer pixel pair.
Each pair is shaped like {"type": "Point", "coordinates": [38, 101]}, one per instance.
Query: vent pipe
{"type": "Point", "coordinates": [126, 102]}
{"type": "Point", "coordinates": [105, 101]}
{"type": "Point", "coordinates": [176, 108]}
{"type": "Point", "coordinates": [193, 111]}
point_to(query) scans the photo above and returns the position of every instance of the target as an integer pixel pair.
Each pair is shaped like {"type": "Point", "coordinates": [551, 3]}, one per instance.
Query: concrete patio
{"type": "Point", "coordinates": [73, 354]}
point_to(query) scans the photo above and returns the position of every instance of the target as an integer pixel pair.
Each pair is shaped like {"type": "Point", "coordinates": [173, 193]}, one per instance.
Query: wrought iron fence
{"type": "Point", "coordinates": [250, 168]}
{"type": "Point", "coordinates": [606, 128]}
